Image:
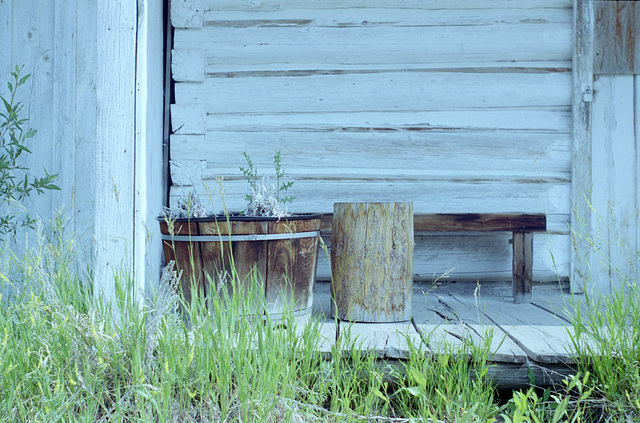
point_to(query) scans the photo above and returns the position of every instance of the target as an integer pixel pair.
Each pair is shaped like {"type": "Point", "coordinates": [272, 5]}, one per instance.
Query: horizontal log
{"type": "Point", "coordinates": [398, 91]}
{"type": "Point", "coordinates": [469, 222]}
{"type": "Point", "coordinates": [274, 5]}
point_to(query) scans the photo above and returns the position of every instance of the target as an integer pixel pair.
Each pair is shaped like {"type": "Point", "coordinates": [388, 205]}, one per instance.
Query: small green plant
{"type": "Point", "coordinates": [265, 199]}
{"type": "Point", "coordinates": [569, 405]}
{"type": "Point", "coordinates": [14, 188]}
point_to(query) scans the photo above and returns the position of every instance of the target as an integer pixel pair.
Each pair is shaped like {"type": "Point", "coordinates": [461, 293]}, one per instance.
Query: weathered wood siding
{"type": "Point", "coordinates": [455, 106]}
{"type": "Point", "coordinates": [616, 168]}
{"type": "Point", "coordinates": [56, 43]}
{"type": "Point", "coordinates": [95, 97]}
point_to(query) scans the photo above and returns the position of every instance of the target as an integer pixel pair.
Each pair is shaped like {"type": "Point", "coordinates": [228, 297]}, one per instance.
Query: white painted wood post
{"type": "Point", "coordinates": [149, 138]}
{"type": "Point", "coordinates": [115, 143]}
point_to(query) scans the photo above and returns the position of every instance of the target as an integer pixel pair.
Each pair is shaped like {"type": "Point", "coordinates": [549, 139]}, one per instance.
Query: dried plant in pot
{"type": "Point", "coordinates": [277, 248]}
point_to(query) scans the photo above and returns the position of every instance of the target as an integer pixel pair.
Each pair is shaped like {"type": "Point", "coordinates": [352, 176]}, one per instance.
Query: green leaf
{"type": "Point", "coordinates": [7, 106]}
{"type": "Point", "coordinates": [416, 391]}
{"type": "Point", "coordinates": [23, 79]}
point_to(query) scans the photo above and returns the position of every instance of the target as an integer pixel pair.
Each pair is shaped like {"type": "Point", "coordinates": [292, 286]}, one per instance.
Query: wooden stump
{"type": "Point", "coordinates": [372, 261]}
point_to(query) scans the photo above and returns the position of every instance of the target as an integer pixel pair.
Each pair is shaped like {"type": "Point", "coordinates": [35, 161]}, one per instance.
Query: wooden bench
{"type": "Point", "coordinates": [521, 225]}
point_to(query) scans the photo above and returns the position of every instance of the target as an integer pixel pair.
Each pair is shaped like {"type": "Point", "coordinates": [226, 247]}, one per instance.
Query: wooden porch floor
{"type": "Point", "coordinates": [526, 337]}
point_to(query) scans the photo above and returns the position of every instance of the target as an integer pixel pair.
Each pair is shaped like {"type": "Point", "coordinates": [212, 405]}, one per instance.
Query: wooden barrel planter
{"type": "Point", "coordinates": [372, 261]}
{"type": "Point", "coordinates": [282, 253]}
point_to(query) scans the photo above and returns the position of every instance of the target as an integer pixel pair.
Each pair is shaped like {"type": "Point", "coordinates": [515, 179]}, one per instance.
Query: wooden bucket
{"type": "Point", "coordinates": [282, 253]}
{"type": "Point", "coordinates": [372, 261]}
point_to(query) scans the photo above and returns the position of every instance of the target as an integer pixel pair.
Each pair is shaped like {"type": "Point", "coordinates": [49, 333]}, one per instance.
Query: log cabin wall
{"type": "Point", "coordinates": [455, 106]}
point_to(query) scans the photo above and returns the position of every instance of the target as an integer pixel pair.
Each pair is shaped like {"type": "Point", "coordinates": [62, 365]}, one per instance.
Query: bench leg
{"type": "Point", "coordinates": [522, 266]}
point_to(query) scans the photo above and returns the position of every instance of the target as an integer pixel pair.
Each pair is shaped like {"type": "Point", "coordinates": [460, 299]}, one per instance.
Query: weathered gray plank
{"type": "Point", "coordinates": [637, 124]}
{"type": "Point", "coordinates": [237, 44]}
{"type": "Point", "coordinates": [616, 42]}
{"type": "Point", "coordinates": [581, 154]}
{"type": "Point", "coordinates": [430, 193]}
{"type": "Point", "coordinates": [64, 87]}
{"type": "Point", "coordinates": [399, 91]}
{"type": "Point", "coordinates": [85, 124]}
{"type": "Point", "coordinates": [382, 339]}
{"type": "Point", "coordinates": [275, 5]}
{"type": "Point", "coordinates": [614, 192]}
{"type": "Point", "coordinates": [115, 143]}
{"type": "Point", "coordinates": [526, 119]}
{"type": "Point", "coordinates": [457, 338]}
{"type": "Point", "coordinates": [542, 335]}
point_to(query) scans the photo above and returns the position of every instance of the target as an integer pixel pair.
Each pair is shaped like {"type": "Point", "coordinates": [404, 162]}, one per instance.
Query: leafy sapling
{"type": "Point", "coordinates": [281, 186]}
{"type": "Point", "coordinates": [265, 199]}
{"type": "Point", "coordinates": [16, 182]}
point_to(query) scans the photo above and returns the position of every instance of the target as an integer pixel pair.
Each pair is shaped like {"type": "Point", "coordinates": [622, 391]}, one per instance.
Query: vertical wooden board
{"type": "Point", "coordinates": [250, 257]}
{"type": "Point", "coordinates": [84, 188]}
{"type": "Point", "coordinates": [280, 262]}
{"type": "Point", "coordinates": [522, 266]}
{"type": "Point", "coordinates": [33, 46]}
{"type": "Point", "coordinates": [617, 37]}
{"type": "Point", "coordinates": [614, 219]}
{"type": "Point", "coordinates": [115, 142]}
{"type": "Point", "coordinates": [186, 255]}
{"type": "Point", "coordinates": [148, 120]}
{"type": "Point", "coordinates": [246, 258]}
{"type": "Point", "coordinates": [6, 35]}
{"type": "Point", "coordinates": [305, 263]}
{"type": "Point", "coordinates": [215, 255]}
{"type": "Point", "coordinates": [581, 171]}
{"type": "Point", "coordinates": [637, 126]}
{"type": "Point", "coordinates": [64, 84]}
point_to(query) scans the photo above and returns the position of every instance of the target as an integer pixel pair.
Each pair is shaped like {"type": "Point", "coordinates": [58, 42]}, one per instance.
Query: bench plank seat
{"type": "Point", "coordinates": [520, 224]}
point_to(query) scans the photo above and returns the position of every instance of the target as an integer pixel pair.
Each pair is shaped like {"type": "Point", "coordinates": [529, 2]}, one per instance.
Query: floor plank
{"type": "Point", "coordinates": [386, 340]}
{"type": "Point", "coordinates": [449, 338]}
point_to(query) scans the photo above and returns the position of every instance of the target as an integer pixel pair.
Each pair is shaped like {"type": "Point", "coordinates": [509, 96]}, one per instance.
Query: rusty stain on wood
{"type": "Point", "coordinates": [617, 37]}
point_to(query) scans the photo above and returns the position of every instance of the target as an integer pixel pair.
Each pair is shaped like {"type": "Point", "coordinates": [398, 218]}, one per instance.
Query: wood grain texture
{"type": "Point", "coordinates": [472, 114]}
{"type": "Point", "coordinates": [468, 222]}
{"type": "Point", "coordinates": [187, 13]}
{"type": "Point", "coordinates": [616, 42]}
{"type": "Point", "coordinates": [248, 259]}
{"type": "Point", "coordinates": [581, 175]}
{"type": "Point", "coordinates": [187, 256]}
{"type": "Point", "coordinates": [522, 266]}
{"type": "Point", "coordinates": [148, 177]}
{"type": "Point", "coordinates": [115, 142]}
{"type": "Point", "coordinates": [371, 261]}
{"type": "Point", "coordinates": [615, 193]}
{"type": "Point", "coordinates": [276, 5]}
{"type": "Point", "coordinates": [396, 90]}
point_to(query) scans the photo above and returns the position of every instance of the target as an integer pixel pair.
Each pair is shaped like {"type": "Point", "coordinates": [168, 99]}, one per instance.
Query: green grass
{"type": "Point", "coordinates": [66, 356]}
